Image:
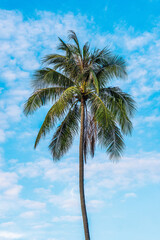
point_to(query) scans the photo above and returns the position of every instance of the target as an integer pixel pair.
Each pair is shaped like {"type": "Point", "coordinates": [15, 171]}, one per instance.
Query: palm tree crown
{"type": "Point", "coordinates": [76, 83]}
{"type": "Point", "coordinates": [82, 74]}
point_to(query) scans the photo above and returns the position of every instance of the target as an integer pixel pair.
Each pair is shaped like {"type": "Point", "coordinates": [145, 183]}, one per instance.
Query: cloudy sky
{"type": "Point", "coordinates": [39, 199]}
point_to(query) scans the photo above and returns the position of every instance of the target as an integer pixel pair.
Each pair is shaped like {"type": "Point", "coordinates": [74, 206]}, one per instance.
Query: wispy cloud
{"type": "Point", "coordinates": [130, 195]}
{"type": "Point", "coordinates": [67, 218]}
{"type": "Point", "coordinates": [10, 235]}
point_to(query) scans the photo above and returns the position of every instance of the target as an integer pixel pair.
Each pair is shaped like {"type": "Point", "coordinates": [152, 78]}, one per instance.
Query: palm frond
{"type": "Point", "coordinates": [41, 97]}
{"type": "Point", "coordinates": [112, 67]}
{"type": "Point", "coordinates": [69, 65]}
{"type": "Point", "coordinates": [86, 52]}
{"type": "Point", "coordinates": [111, 139]}
{"type": "Point", "coordinates": [118, 66]}
{"type": "Point", "coordinates": [64, 135]}
{"type": "Point", "coordinates": [109, 134]}
{"type": "Point", "coordinates": [118, 95]}
{"type": "Point", "coordinates": [57, 111]}
{"type": "Point", "coordinates": [64, 47]}
{"type": "Point", "coordinates": [95, 81]}
{"type": "Point", "coordinates": [53, 59]}
{"type": "Point", "coordinates": [99, 110]}
{"type": "Point", "coordinates": [73, 36]}
{"type": "Point", "coordinates": [98, 57]}
{"type": "Point", "coordinates": [121, 105]}
{"type": "Point", "coordinates": [48, 77]}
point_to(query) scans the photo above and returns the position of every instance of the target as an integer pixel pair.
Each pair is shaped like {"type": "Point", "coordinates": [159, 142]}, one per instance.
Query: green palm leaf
{"type": "Point", "coordinates": [112, 67]}
{"type": "Point", "coordinates": [95, 81]}
{"type": "Point", "coordinates": [41, 97]}
{"type": "Point", "coordinates": [99, 110]}
{"type": "Point", "coordinates": [109, 134]}
{"type": "Point", "coordinates": [111, 139]}
{"type": "Point", "coordinates": [121, 105]}
{"type": "Point", "coordinates": [64, 135]}
{"type": "Point", "coordinates": [86, 52]}
{"type": "Point", "coordinates": [54, 59]}
{"type": "Point", "coordinates": [64, 47]}
{"type": "Point", "coordinates": [118, 94]}
{"type": "Point", "coordinates": [48, 77]}
{"type": "Point", "coordinates": [73, 36]}
{"type": "Point", "coordinates": [57, 111]}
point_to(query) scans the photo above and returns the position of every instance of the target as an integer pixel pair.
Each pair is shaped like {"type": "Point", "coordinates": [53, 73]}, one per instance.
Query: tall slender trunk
{"type": "Point", "coordinates": [81, 175]}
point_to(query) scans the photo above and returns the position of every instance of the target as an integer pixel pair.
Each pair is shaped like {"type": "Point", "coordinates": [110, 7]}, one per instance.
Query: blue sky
{"type": "Point", "coordinates": [39, 199]}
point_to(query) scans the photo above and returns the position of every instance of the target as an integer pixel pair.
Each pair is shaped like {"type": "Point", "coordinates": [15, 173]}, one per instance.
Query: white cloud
{"type": "Point", "coordinates": [14, 113]}
{"type": "Point", "coordinates": [67, 218]}
{"type": "Point", "coordinates": [148, 120]}
{"type": "Point", "coordinates": [130, 195]}
{"type": "Point", "coordinates": [132, 43]}
{"type": "Point", "coordinates": [33, 204]}
{"type": "Point", "coordinates": [67, 200]}
{"type": "Point", "coordinates": [43, 225]}
{"type": "Point", "coordinates": [47, 169]}
{"type": "Point", "coordinates": [29, 214]}
{"type": "Point", "coordinates": [95, 204]}
{"type": "Point", "coordinates": [6, 224]}
{"type": "Point", "coordinates": [8, 179]}
{"type": "Point", "coordinates": [10, 235]}
{"type": "Point", "coordinates": [9, 75]}
{"type": "Point", "coordinates": [3, 120]}
{"type": "Point", "coordinates": [13, 192]}
{"type": "Point", "coordinates": [2, 135]}
{"type": "Point", "coordinates": [16, 95]}
{"type": "Point", "coordinates": [130, 172]}
{"type": "Point", "coordinates": [151, 119]}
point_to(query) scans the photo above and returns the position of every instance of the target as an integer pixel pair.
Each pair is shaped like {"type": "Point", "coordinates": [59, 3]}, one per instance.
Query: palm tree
{"type": "Point", "coordinates": [76, 84]}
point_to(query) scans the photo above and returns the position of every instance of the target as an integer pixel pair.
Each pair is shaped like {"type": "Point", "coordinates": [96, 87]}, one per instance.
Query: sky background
{"type": "Point", "coordinates": [39, 199]}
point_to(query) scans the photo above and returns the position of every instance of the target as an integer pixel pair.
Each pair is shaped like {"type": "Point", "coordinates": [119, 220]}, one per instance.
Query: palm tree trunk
{"type": "Point", "coordinates": [81, 175]}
